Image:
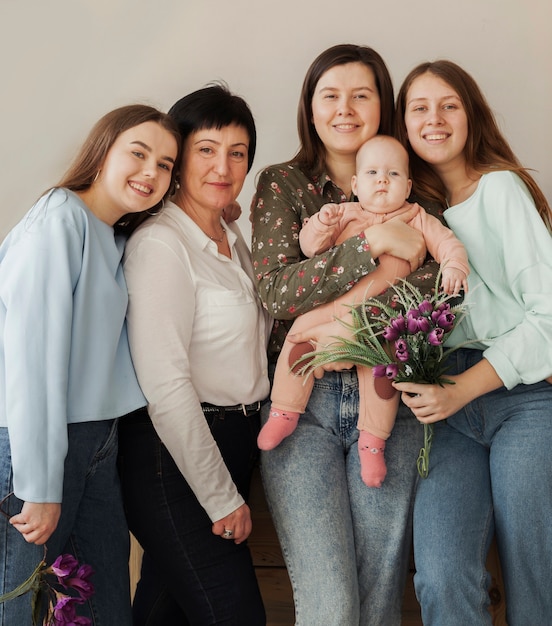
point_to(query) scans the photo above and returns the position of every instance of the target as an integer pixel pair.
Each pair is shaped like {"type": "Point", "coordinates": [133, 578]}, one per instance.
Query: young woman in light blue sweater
{"type": "Point", "coordinates": [491, 469]}
{"type": "Point", "coordinates": [65, 369]}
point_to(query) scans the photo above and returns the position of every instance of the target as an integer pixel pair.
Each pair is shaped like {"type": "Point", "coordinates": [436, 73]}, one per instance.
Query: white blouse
{"type": "Point", "coordinates": [197, 334]}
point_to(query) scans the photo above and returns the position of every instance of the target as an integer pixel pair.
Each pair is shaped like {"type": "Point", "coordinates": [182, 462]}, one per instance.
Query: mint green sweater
{"type": "Point", "coordinates": [510, 284]}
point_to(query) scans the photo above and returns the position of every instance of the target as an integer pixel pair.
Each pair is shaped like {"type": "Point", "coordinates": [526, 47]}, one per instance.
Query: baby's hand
{"type": "Point", "coordinates": [453, 280]}
{"type": "Point", "coordinates": [231, 212]}
{"type": "Point", "coordinates": [330, 214]}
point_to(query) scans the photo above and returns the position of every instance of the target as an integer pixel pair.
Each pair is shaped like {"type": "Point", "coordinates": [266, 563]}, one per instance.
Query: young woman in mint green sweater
{"type": "Point", "coordinates": [491, 469]}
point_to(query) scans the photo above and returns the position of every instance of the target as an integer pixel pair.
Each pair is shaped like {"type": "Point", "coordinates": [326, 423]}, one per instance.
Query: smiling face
{"type": "Point", "coordinates": [346, 108]}
{"type": "Point", "coordinates": [436, 123]}
{"type": "Point", "coordinates": [214, 167]}
{"type": "Point", "coordinates": [381, 182]}
{"type": "Point", "coordinates": [136, 173]}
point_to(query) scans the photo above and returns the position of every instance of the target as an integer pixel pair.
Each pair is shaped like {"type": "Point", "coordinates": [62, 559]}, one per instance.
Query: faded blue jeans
{"type": "Point", "coordinates": [346, 545]}
{"type": "Point", "coordinates": [92, 527]}
{"type": "Point", "coordinates": [490, 472]}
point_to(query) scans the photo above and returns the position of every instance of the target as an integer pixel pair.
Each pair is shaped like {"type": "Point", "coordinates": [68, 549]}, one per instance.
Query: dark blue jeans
{"type": "Point", "coordinates": [92, 527]}
{"type": "Point", "coordinates": [189, 576]}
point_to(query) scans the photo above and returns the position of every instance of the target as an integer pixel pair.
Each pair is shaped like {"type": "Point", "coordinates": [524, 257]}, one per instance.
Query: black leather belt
{"type": "Point", "coordinates": [246, 409]}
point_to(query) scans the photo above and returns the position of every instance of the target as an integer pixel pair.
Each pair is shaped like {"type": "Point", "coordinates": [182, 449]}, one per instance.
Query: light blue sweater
{"type": "Point", "coordinates": [510, 284]}
{"type": "Point", "coordinates": [64, 355]}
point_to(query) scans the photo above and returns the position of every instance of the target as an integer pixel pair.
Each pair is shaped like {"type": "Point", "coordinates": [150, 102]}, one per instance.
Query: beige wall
{"type": "Point", "coordinates": [66, 62]}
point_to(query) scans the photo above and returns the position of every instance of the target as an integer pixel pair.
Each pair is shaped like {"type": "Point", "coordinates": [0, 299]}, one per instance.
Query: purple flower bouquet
{"type": "Point", "coordinates": [65, 584]}
{"type": "Point", "coordinates": [403, 341]}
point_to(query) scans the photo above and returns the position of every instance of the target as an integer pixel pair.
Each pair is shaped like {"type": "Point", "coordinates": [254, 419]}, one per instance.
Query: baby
{"type": "Point", "coordinates": [381, 185]}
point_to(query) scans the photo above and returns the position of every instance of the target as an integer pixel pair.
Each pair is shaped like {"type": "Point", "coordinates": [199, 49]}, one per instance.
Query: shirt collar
{"type": "Point", "coordinates": [326, 184]}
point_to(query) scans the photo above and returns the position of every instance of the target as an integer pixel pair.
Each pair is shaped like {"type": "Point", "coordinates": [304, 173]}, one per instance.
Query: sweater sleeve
{"type": "Point", "coordinates": [38, 276]}
{"type": "Point", "coordinates": [526, 249]}
{"type": "Point", "coordinates": [316, 237]}
{"type": "Point", "coordinates": [510, 252]}
{"type": "Point", "coordinates": [442, 244]}
{"type": "Point", "coordinates": [288, 283]}
{"type": "Point", "coordinates": [160, 324]}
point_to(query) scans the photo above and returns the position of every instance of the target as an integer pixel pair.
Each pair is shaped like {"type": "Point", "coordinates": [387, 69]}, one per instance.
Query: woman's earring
{"type": "Point", "coordinates": [96, 177]}
{"type": "Point", "coordinates": [174, 188]}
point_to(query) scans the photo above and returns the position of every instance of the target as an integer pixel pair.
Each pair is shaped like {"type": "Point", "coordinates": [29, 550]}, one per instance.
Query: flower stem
{"type": "Point", "coordinates": [423, 458]}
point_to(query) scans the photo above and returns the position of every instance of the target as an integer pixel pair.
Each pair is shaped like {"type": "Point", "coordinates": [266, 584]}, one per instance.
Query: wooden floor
{"type": "Point", "coordinates": [274, 581]}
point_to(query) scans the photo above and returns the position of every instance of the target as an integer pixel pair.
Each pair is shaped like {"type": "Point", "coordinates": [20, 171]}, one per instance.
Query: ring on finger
{"type": "Point", "coordinates": [228, 534]}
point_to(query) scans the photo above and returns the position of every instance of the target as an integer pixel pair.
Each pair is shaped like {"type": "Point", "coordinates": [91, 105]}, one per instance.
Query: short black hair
{"type": "Point", "coordinates": [214, 106]}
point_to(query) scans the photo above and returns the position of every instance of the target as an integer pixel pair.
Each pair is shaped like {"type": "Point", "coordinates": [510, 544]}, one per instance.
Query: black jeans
{"type": "Point", "coordinates": [189, 576]}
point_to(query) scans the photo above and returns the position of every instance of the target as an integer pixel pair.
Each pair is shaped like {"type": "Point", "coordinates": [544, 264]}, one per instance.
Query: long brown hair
{"type": "Point", "coordinates": [312, 153]}
{"type": "Point", "coordinates": [91, 156]}
{"type": "Point", "coordinates": [486, 148]}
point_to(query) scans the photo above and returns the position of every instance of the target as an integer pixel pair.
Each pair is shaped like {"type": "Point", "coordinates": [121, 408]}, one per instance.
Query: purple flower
{"type": "Point", "coordinates": [401, 350]}
{"type": "Point", "coordinates": [64, 566]}
{"type": "Point", "coordinates": [417, 323]}
{"type": "Point", "coordinates": [440, 310]}
{"type": "Point", "coordinates": [397, 325]}
{"type": "Point", "coordinates": [64, 604]}
{"type": "Point", "coordinates": [391, 371]}
{"type": "Point", "coordinates": [81, 583]}
{"type": "Point", "coordinates": [425, 307]}
{"type": "Point", "coordinates": [435, 337]}
{"type": "Point", "coordinates": [378, 371]}
{"type": "Point", "coordinates": [445, 320]}
{"type": "Point", "coordinates": [411, 323]}
{"type": "Point", "coordinates": [65, 614]}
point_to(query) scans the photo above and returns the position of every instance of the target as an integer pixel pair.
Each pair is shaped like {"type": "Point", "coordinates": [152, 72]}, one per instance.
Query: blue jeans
{"type": "Point", "coordinates": [346, 545]}
{"type": "Point", "coordinates": [189, 575]}
{"type": "Point", "coordinates": [92, 527]}
{"type": "Point", "coordinates": [490, 472]}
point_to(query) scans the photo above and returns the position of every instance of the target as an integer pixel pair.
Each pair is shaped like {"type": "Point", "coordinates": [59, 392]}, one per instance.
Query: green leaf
{"type": "Point", "coordinates": [31, 584]}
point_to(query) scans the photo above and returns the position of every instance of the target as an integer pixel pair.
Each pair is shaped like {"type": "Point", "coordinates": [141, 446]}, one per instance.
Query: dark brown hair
{"type": "Point", "coordinates": [312, 153]}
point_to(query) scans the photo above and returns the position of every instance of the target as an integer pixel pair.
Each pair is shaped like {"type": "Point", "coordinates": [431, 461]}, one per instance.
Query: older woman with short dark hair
{"type": "Point", "coordinates": [198, 340]}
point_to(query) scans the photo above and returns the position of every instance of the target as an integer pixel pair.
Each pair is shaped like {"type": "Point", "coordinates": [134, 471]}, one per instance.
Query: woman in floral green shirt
{"type": "Point", "coordinates": [346, 546]}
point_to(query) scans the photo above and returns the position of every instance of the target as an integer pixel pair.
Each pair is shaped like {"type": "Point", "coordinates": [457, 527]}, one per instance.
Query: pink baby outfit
{"type": "Point", "coordinates": [378, 400]}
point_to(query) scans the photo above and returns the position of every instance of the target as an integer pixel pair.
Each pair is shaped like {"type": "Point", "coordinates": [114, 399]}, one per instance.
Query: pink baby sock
{"type": "Point", "coordinates": [372, 461]}
{"type": "Point", "coordinates": [280, 425]}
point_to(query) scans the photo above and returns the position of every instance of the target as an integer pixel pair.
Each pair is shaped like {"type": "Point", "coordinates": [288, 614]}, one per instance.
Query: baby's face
{"type": "Point", "coordinates": [381, 182]}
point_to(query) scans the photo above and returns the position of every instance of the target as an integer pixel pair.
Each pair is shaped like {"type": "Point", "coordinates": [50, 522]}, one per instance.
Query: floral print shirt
{"type": "Point", "coordinates": [290, 284]}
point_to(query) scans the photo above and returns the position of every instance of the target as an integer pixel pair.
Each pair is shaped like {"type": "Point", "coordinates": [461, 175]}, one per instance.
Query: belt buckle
{"type": "Point", "coordinates": [251, 408]}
